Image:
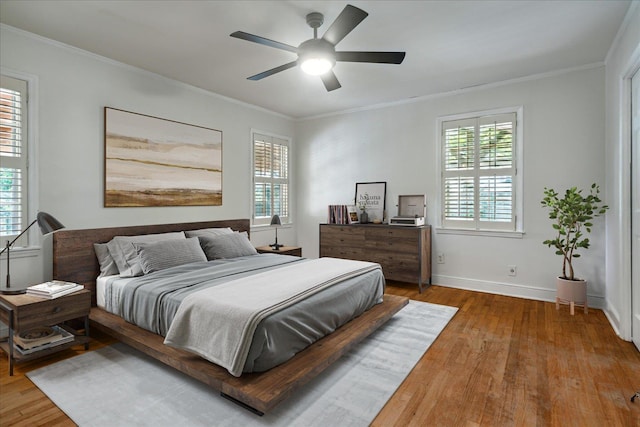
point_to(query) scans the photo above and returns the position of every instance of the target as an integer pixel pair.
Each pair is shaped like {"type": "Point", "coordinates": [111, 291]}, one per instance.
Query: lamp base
{"type": "Point", "coordinates": [13, 290]}
{"type": "Point", "coordinates": [276, 246]}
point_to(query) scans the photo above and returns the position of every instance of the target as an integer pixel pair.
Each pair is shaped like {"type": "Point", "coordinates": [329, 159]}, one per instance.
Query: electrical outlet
{"type": "Point", "coordinates": [513, 270]}
{"type": "Point", "coordinates": [440, 258]}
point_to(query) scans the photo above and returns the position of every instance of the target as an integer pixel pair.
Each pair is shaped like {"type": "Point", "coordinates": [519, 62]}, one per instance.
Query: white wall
{"type": "Point", "coordinates": [563, 146]}
{"type": "Point", "coordinates": [73, 89]}
{"type": "Point", "coordinates": [622, 60]}
{"type": "Point", "coordinates": [563, 124]}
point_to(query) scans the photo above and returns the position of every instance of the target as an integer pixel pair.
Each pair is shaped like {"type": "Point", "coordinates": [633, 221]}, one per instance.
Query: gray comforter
{"type": "Point", "coordinates": [152, 301]}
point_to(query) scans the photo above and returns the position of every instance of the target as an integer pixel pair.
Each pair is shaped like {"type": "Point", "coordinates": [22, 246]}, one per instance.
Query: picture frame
{"type": "Point", "coordinates": [372, 196]}
{"type": "Point", "coordinates": [352, 214]}
{"type": "Point", "coordinates": [149, 161]}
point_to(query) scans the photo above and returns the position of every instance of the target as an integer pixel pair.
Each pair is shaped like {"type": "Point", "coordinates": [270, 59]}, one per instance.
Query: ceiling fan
{"type": "Point", "coordinates": [318, 56]}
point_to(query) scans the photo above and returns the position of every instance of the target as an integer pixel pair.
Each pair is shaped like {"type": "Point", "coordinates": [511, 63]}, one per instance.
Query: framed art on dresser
{"type": "Point", "coordinates": [371, 197]}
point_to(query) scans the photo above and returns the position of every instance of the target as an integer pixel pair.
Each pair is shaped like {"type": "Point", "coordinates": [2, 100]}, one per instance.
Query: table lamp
{"type": "Point", "coordinates": [48, 224]}
{"type": "Point", "coordinates": [275, 222]}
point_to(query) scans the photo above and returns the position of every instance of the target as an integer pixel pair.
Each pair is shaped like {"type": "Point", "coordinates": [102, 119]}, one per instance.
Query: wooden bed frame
{"type": "Point", "coordinates": [74, 260]}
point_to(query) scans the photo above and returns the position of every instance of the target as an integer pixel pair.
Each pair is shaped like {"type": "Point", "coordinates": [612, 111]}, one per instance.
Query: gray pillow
{"type": "Point", "coordinates": [125, 254]}
{"type": "Point", "coordinates": [108, 266]}
{"type": "Point", "coordinates": [227, 246]}
{"type": "Point", "coordinates": [169, 253]}
{"type": "Point", "coordinates": [210, 232]}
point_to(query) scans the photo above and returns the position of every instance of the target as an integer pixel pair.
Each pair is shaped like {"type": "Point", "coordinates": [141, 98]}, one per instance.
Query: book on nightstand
{"type": "Point", "coordinates": [40, 339]}
{"type": "Point", "coordinates": [53, 289]}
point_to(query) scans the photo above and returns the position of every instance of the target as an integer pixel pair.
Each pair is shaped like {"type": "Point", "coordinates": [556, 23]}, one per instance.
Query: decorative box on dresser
{"type": "Point", "coordinates": [403, 252]}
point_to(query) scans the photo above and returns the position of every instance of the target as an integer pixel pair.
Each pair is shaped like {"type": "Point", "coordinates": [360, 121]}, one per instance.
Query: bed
{"type": "Point", "coordinates": [75, 260]}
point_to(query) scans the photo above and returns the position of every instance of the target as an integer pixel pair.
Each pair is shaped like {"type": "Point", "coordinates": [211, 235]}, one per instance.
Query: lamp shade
{"type": "Point", "coordinates": [47, 223]}
{"type": "Point", "coordinates": [275, 220]}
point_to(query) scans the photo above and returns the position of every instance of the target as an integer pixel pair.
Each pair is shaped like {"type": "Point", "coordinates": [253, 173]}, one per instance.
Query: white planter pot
{"type": "Point", "coordinates": [572, 292]}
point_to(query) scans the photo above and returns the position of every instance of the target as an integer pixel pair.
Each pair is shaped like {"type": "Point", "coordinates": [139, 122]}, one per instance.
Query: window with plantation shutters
{"type": "Point", "coordinates": [271, 187]}
{"type": "Point", "coordinates": [13, 157]}
{"type": "Point", "coordinates": [479, 172]}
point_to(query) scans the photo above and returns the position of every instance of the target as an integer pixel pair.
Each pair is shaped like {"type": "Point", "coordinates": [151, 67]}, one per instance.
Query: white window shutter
{"type": "Point", "coordinates": [270, 178]}
{"type": "Point", "coordinates": [478, 172]}
{"type": "Point", "coordinates": [13, 157]}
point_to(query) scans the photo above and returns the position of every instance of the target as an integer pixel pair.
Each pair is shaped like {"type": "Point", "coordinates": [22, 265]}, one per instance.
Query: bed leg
{"type": "Point", "coordinates": [242, 404]}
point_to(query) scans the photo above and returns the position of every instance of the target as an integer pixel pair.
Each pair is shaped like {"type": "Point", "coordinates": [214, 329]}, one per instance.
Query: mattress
{"type": "Point", "coordinates": [115, 283]}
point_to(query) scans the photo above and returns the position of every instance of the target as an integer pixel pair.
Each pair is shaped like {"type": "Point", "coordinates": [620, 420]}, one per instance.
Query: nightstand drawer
{"type": "Point", "coordinates": [36, 311]}
{"type": "Point", "coordinates": [284, 250]}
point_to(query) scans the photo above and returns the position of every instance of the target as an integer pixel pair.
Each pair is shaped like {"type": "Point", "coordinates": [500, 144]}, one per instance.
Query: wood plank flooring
{"type": "Point", "coordinates": [501, 361]}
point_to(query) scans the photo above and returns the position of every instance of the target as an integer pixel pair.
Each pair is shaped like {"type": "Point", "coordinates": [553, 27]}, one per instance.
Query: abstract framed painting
{"type": "Point", "coordinates": [149, 161]}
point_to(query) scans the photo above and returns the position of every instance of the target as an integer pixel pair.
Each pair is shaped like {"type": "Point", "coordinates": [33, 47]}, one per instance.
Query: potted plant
{"type": "Point", "coordinates": [572, 215]}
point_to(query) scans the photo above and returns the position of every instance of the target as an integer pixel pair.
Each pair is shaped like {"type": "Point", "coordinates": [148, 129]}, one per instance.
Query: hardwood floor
{"type": "Point", "coordinates": [501, 361]}
{"type": "Point", "coordinates": [505, 361]}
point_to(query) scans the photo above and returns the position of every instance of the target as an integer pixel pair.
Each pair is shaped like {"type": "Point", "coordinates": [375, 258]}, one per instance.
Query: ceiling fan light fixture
{"type": "Point", "coordinates": [316, 56]}
{"type": "Point", "coordinates": [316, 66]}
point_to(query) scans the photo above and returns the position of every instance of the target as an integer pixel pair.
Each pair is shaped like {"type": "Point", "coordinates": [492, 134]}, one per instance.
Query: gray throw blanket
{"type": "Point", "coordinates": [236, 307]}
{"type": "Point", "coordinates": [151, 301]}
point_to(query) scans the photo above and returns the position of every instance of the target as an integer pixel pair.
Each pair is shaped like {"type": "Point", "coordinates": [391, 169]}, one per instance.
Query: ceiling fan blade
{"type": "Point", "coordinates": [330, 81]}
{"type": "Point", "coordinates": [377, 57]}
{"type": "Point", "coordinates": [261, 40]}
{"type": "Point", "coordinates": [273, 71]}
{"type": "Point", "coordinates": [348, 19]}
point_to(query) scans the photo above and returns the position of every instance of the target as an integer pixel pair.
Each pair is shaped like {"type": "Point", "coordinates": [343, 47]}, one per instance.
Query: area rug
{"type": "Point", "coordinates": [119, 386]}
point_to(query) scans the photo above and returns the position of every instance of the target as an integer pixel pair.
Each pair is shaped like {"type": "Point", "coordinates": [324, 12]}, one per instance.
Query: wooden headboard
{"type": "Point", "coordinates": [74, 258]}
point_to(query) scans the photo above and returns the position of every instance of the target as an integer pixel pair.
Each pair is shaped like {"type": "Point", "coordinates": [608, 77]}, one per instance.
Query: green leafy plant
{"type": "Point", "coordinates": [572, 215]}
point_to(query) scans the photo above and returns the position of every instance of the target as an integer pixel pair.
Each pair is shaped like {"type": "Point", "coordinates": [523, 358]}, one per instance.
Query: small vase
{"type": "Point", "coordinates": [364, 217]}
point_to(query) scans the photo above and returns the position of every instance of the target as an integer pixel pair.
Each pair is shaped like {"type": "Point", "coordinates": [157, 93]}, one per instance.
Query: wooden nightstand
{"type": "Point", "coordinates": [23, 312]}
{"type": "Point", "coordinates": [284, 250]}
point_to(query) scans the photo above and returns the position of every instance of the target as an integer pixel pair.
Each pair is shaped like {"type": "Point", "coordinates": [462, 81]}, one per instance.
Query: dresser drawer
{"type": "Point", "coordinates": [342, 232]}
{"type": "Point", "coordinates": [393, 233]}
{"type": "Point", "coordinates": [386, 258]}
{"type": "Point", "coordinates": [402, 274]}
{"type": "Point", "coordinates": [343, 236]}
{"type": "Point", "coordinates": [392, 245]}
{"type": "Point", "coordinates": [346, 252]}
{"type": "Point", "coordinates": [50, 312]}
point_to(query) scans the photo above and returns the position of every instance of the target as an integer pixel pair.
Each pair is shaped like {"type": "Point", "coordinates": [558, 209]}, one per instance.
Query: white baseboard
{"type": "Point", "coordinates": [614, 319]}
{"type": "Point", "coordinates": [508, 289]}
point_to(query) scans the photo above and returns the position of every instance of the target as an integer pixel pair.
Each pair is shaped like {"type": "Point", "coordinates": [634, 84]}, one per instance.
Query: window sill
{"type": "Point", "coordinates": [484, 233]}
{"type": "Point", "coordinates": [31, 251]}
{"type": "Point", "coordinates": [266, 227]}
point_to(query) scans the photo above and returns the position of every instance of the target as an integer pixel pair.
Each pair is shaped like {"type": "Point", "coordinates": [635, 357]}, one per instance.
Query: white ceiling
{"type": "Point", "coordinates": [450, 44]}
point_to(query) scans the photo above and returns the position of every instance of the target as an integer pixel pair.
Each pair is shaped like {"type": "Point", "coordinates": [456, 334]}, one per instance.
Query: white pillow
{"type": "Point", "coordinates": [125, 255]}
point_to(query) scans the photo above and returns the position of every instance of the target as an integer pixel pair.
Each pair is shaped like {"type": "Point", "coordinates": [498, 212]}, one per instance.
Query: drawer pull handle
{"type": "Point", "coordinates": [57, 309]}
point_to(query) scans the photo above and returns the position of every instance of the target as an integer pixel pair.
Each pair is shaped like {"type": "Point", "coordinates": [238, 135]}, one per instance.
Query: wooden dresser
{"type": "Point", "coordinates": [403, 252]}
